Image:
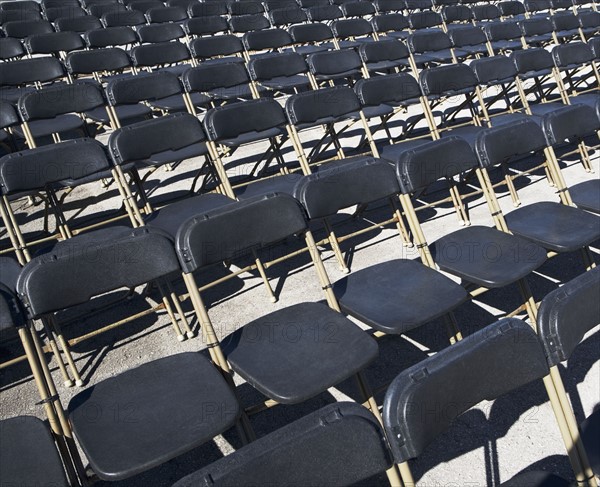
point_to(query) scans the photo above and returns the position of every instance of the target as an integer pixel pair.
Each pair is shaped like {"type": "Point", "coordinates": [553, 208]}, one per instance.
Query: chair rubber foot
{"type": "Point", "coordinates": [345, 270]}
{"type": "Point", "coordinates": [79, 383]}
{"type": "Point", "coordinates": [190, 334]}
{"type": "Point", "coordinates": [462, 223]}
{"type": "Point", "coordinates": [273, 299]}
{"type": "Point", "coordinates": [68, 383]}
{"type": "Point", "coordinates": [516, 204]}
{"type": "Point", "coordinates": [180, 338]}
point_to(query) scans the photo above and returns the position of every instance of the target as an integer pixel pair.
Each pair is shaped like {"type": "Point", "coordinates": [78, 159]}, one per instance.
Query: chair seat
{"type": "Point", "coordinates": [590, 99]}
{"type": "Point", "coordinates": [311, 49]}
{"type": "Point", "coordinates": [468, 133]}
{"type": "Point", "coordinates": [48, 126]}
{"type": "Point", "coordinates": [295, 353]}
{"type": "Point", "coordinates": [398, 295]}
{"type": "Point", "coordinates": [165, 157]}
{"type": "Point", "coordinates": [393, 152]}
{"type": "Point", "coordinates": [248, 137]}
{"type": "Point", "coordinates": [507, 45]}
{"type": "Point", "coordinates": [124, 112]}
{"type": "Point", "coordinates": [28, 454]}
{"type": "Point", "coordinates": [9, 272]}
{"type": "Point", "coordinates": [148, 415]}
{"type": "Point", "coordinates": [475, 49]}
{"type": "Point", "coordinates": [586, 195]}
{"type": "Point", "coordinates": [439, 56]}
{"type": "Point", "coordinates": [536, 479]}
{"type": "Point", "coordinates": [555, 226]}
{"type": "Point", "coordinates": [387, 65]}
{"type": "Point", "coordinates": [170, 218]}
{"type": "Point", "coordinates": [590, 432]}
{"type": "Point", "coordinates": [486, 256]}
{"type": "Point", "coordinates": [541, 109]}
{"type": "Point", "coordinates": [377, 111]}
{"type": "Point", "coordinates": [231, 93]}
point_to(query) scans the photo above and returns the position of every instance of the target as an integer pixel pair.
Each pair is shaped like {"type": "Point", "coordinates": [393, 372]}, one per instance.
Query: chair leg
{"type": "Point", "coordinates": [68, 382]}
{"type": "Point", "coordinates": [175, 298]}
{"type": "Point", "coordinates": [529, 302]}
{"type": "Point", "coordinates": [67, 351]}
{"type": "Point", "coordinates": [454, 333]}
{"type": "Point", "coordinates": [263, 275]}
{"type": "Point", "coordinates": [169, 310]}
{"type": "Point", "coordinates": [335, 246]}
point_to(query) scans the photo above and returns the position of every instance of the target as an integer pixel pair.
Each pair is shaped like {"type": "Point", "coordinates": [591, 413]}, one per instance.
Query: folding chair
{"type": "Point", "coordinates": [565, 316]}
{"type": "Point", "coordinates": [24, 28]}
{"type": "Point", "coordinates": [143, 5]}
{"type": "Point", "coordinates": [324, 13]}
{"type": "Point", "coordinates": [120, 18]}
{"type": "Point", "coordinates": [56, 111]}
{"type": "Point", "coordinates": [384, 56]}
{"type": "Point", "coordinates": [249, 7]}
{"type": "Point", "coordinates": [208, 8]}
{"type": "Point", "coordinates": [77, 24]}
{"type": "Point", "coordinates": [29, 455]}
{"type": "Point", "coordinates": [577, 69]}
{"type": "Point", "coordinates": [484, 257]}
{"type": "Point", "coordinates": [343, 66]}
{"type": "Point", "coordinates": [69, 11]}
{"type": "Point", "coordinates": [217, 49]}
{"type": "Point", "coordinates": [271, 5]}
{"type": "Point", "coordinates": [11, 49]}
{"type": "Point", "coordinates": [456, 379]}
{"type": "Point", "coordinates": [20, 5]}
{"type": "Point", "coordinates": [56, 43]}
{"type": "Point", "coordinates": [469, 39]}
{"type": "Point", "coordinates": [456, 16]}
{"type": "Point", "coordinates": [589, 22]}
{"type": "Point", "coordinates": [537, 8]}
{"type": "Point", "coordinates": [485, 13]}
{"type": "Point", "coordinates": [162, 14]}
{"type": "Point", "coordinates": [285, 73]}
{"type": "Point", "coordinates": [538, 32]}
{"type": "Point", "coordinates": [419, 6]}
{"type": "Point", "coordinates": [503, 37]}
{"type": "Point", "coordinates": [433, 47]}
{"type": "Point", "coordinates": [311, 38]}
{"type": "Point", "coordinates": [566, 27]}
{"type": "Point", "coordinates": [48, 284]}
{"type": "Point", "coordinates": [18, 16]}
{"type": "Point", "coordinates": [389, 6]}
{"type": "Point", "coordinates": [371, 294]}
{"type": "Point", "coordinates": [351, 33]}
{"type": "Point", "coordinates": [100, 9]}
{"type": "Point", "coordinates": [19, 77]}
{"type": "Point", "coordinates": [357, 9]}
{"type": "Point", "coordinates": [425, 19]}
{"type": "Point", "coordinates": [281, 373]}
{"type": "Point", "coordinates": [348, 435]}
{"type": "Point", "coordinates": [559, 228]}
{"type": "Point", "coordinates": [512, 10]}
{"type": "Point", "coordinates": [392, 25]}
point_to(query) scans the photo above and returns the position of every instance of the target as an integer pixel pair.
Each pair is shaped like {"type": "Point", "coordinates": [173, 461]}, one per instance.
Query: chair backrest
{"type": "Point", "coordinates": [536, 26]}
{"type": "Point", "coordinates": [20, 5]}
{"type": "Point", "coordinates": [206, 9]}
{"type": "Point", "coordinates": [208, 77]}
{"type": "Point", "coordinates": [208, 47]}
{"type": "Point", "coordinates": [201, 26]}
{"type": "Point", "coordinates": [532, 62]}
{"type": "Point", "coordinates": [123, 17]}
{"type": "Point", "coordinates": [259, 40]}
{"type": "Point", "coordinates": [149, 55]}
{"type": "Point", "coordinates": [142, 87]}
{"type": "Point", "coordinates": [423, 401]}
{"type": "Point", "coordinates": [494, 70]}
{"type": "Point", "coordinates": [319, 106]}
{"type": "Point", "coordinates": [77, 24]}
{"type": "Point", "coordinates": [18, 15]}
{"type": "Point", "coordinates": [141, 140]}
{"type": "Point", "coordinates": [419, 167]}
{"type": "Point", "coordinates": [53, 43]}
{"type": "Point", "coordinates": [8, 115]}
{"type": "Point", "coordinates": [247, 23]}
{"type": "Point", "coordinates": [97, 60]}
{"type": "Point", "coordinates": [157, 15]}
{"type": "Point", "coordinates": [424, 19]}
{"type": "Point", "coordinates": [275, 65]}
{"type": "Point", "coordinates": [11, 48]}
{"type": "Point", "coordinates": [344, 29]}
{"type": "Point", "coordinates": [155, 33]}
{"type": "Point", "coordinates": [457, 13]}
{"type": "Point", "coordinates": [232, 230]}
{"type": "Point", "coordinates": [247, 7]}
{"type": "Point", "coordinates": [447, 80]}
{"type": "Point", "coordinates": [235, 119]}
{"type": "Point", "coordinates": [502, 31]}
{"type": "Point", "coordinates": [323, 13]}
{"type": "Point", "coordinates": [467, 36]}
{"type": "Point", "coordinates": [357, 9]}
{"type": "Point", "coordinates": [389, 6]}
{"type": "Point", "coordinates": [340, 444]}
{"type": "Point", "coordinates": [332, 63]}
{"type": "Point", "coordinates": [389, 23]}
{"type": "Point", "coordinates": [306, 33]}
{"type": "Point", "coordinates": [60, 99]}
{"type": "Point", "coordinates": [567, 314]}
{"type": "Point", "coordinates": [384, 50]}
{"type": "Point", "coordinates": [100, 9]}
{"type": "Point", "coordinates": [393, 88]}
{"type": "Point", "coordinates": [504, 142]}
{"type": "Point", "coordinates": [589, 19]}
{"type": "Point", "coordinates": [110, 36]}
{"type": "Point", "coordinates": [572, 55]}
{"type": "Point", "coordinates": [280, 4]}
{"type": "Point", "coordinates": [511, 8]}
{"type": "Point", "coordinates": [26, 71]}
{"type": "Point", "coordinates": [429, 40]}
{"type": "Point", "coordinates": [564, 21]}
{"type": "Point", "coordinates": [571, 123]}
{"type": "Point", "coordinates": [34, 169]}
{"type": "Point", "coordinates": [80, 268]}
{"type": "Point", "coordinates": [486, 12]}
{"type": "Point", "coordinates": [68, 11]}
{"type": "Point", "coordinates": [23, 28]}
{"type": "Point", "coordinates": [332, 189]}
{"type": "Point", "coordinates": [537, 5]}
{"type": "Point", "coordinates": [287, 16]}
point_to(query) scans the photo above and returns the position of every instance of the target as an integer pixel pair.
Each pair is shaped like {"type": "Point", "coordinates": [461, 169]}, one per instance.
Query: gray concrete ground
{"type": "Point", "coordinates": [487, 445]}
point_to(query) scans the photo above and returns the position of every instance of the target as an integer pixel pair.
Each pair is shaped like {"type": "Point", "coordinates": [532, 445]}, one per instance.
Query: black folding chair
{"type": "Point", "coordinates": [110, 37]}
{"type": "Point", "coordinates": [25, 28]}
{"type": "Point", "coordinates": [11, 49]}
{"type": "Point", "coordinates": [217, 49]}
{"type": "Point", "coordinates": [55, 43]}
{"type": "Point", "coordinates": [282, 73]}
{"type": "Point", "coordinates": [494, 361]}
{"type": "Point", "coordinates": [161, 427]}
{"type": "Point", "coordinates": [343, 66]}
{"type": "Point", "coordinates": [19, 77]}
{"type": "Point", "coordinates": [80, 25]}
